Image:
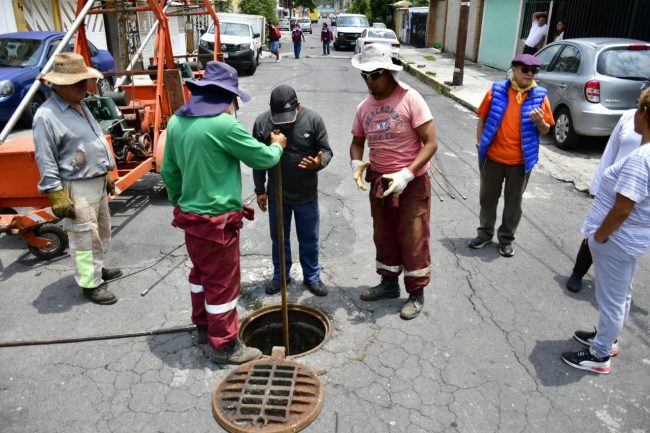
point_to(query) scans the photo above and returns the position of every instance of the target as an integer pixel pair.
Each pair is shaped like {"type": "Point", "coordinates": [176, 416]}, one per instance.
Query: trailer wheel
{"type": "Point", "coordinates": [59, 239]}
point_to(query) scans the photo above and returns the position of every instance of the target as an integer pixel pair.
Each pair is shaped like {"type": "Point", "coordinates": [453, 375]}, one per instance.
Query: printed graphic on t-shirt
{"type": "Point", "coordinates": [382, 124]}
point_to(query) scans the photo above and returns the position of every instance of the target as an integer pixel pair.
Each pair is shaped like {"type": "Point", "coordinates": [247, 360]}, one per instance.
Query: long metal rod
{"type": "Point", "coordinates": [283, 270]}
{"type": "Point", "coordinates": [16, 343]}
{"type": "Point", "coordinates": [432, 188]}
{"type": "Point", "coordinates": [138, 53]}
{"type": "Point", "coordinates": [37, 83]}
{"type": "Point", "coordinates": [450, 184]}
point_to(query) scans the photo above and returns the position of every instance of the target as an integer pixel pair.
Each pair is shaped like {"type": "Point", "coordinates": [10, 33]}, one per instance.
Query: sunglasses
{"type": "Point", "coordinates": [373, 75]}
{"type": "Point", "coordinates": [529, 69]}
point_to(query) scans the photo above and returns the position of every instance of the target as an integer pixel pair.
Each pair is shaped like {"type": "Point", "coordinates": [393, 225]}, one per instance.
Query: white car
{"type": "Point", "coordinates": [378, 36]}
{"type": "Point", "coordinates": [305, 25]}
{"type": "Point", "coordinates": [283, 23]}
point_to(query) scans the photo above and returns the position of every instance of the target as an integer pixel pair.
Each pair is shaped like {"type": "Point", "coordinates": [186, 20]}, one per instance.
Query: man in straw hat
{"type": "Point", "coordinates": [74, 160]}
{"type": "Point", "coordinates": [398, 126]}
{"type": "Point", "coordinates": [511, 117]}
{"type": "Point", "coordinates": [201, 169]}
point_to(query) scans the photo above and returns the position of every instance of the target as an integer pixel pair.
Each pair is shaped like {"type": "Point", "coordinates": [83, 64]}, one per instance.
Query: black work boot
{"type": "Point", "coordinates": [111, 273]}
{"type": "Point", "coordinates": [201, 335]}
{"type": "Point", "coordinates": [388, 288]}
{"type": "Point", "coordinates": [412, 308]}
{"type": "Point", "coordinates": [235, 353]}
{"type": "Point", "coordinates": [101, 295]}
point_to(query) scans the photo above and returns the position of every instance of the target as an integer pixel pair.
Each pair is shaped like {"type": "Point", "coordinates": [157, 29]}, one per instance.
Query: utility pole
{"type": "Point", "coordinates": [461, 43]}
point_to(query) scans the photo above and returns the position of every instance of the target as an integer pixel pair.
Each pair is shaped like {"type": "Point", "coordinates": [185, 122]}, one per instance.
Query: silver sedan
{"type": "Point", "coordinates": [591, 82]}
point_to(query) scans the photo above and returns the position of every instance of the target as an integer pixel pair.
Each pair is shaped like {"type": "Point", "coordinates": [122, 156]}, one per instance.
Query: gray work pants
{"type": "Point", "coordinates": [493, 175]}
{"type": "Point", "coordinates": [90, 233]}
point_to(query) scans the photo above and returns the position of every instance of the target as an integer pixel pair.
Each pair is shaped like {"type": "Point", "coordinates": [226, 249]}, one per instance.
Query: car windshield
{"type": "Point", "coordinates": [625, 63]}
{"type": "Point", "coordinates": [234, 29]}
{"type": "Point", "coordinates": [352, 22]}
{"type": "Point", "coordinates": [382, 34]}
{"type": "Point", "coordinates": [231, 29]}
{"type": "Point", "coordinates": [20, 52]}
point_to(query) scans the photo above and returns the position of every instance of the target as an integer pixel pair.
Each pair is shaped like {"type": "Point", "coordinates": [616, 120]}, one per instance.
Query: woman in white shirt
{"type": "Point", "coordinates": [623, 141]}
{"type": "Point", "coordinates": [617, 229]}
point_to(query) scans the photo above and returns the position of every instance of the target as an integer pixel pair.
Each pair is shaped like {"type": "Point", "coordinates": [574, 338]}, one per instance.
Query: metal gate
{"type": "Point", "coordinates": [34, 15]}
{"type": "Point", "coordinates": [418, 36]}
{"type": "Point", "coordinates": [592, 18]}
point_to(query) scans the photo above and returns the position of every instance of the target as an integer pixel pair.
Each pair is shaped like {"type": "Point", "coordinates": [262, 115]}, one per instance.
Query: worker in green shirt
{"type": "Point", "coordinates": [201, 169]}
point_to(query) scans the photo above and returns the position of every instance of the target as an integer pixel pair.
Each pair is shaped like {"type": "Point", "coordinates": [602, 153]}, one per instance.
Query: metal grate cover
{"type": "Point", "coordinates": [269, 396]}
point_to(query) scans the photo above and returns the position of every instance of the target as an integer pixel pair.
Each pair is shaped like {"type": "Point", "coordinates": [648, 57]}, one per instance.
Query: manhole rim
{"type": "Point", "coordinates": [291, 307]}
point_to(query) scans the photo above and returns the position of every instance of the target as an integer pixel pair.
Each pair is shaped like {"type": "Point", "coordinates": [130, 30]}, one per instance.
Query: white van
{"type": "Point", "coordinates": [241, 41]}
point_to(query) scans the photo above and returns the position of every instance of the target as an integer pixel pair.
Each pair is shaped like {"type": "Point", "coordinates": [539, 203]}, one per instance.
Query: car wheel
{"type": "Point", "coordinates": [28, 115]}
{"type": "Point", "coordinates": [336, 47]}
{"type": "Point", "coordinates": [564, 135]}
{"type": "Point", "coordinates": [54, 233]}
{"type": "Point", "coordinates": [254, 64]}
{"type": "Point", "coordinates": [104, 86]}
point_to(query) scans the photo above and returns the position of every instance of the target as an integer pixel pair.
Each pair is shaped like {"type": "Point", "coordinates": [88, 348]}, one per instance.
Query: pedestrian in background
{"type": "Point", "coordinates": [298, 37]}
{"type": "Point", "coordinates": [307, 152]}
{"type": "Point", "coordinates": [201, 170]}
{"type": "Point", "coordinates": [537, 32]}
{"type": "Point", "coordinates": [623, 141]}
{"type": "Point", "coordinates": [326, 37]}
{"type": "Point", "coordinates": [274, 38]}
{"type": "Point", "coordinates": [511, 117]}
{"type": "Point", "coordinates": [75, 160]}
{"type": "Point", "coordinates": [617, 229]}
{"type": "Point", "coordinates": [398, 126]}
{"type": "Point", "coordinates": [560, 27]}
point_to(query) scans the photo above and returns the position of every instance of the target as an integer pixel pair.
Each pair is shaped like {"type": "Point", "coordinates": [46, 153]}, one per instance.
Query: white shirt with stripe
{"type": "Point", "coordinates": [629, 177]}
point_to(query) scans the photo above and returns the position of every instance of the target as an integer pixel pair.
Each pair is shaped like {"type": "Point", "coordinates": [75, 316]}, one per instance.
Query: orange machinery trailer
{"type": "Point", "coordinates": [135, 126]}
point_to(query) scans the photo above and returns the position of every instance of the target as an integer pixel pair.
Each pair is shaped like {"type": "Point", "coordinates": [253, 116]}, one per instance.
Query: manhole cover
{"type": "Point", "coordinates": [271, 395]}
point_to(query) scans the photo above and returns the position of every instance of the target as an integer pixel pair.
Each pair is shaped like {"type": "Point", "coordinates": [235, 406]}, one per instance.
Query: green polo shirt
{"type": "Point", "coordinates": [201, 163]}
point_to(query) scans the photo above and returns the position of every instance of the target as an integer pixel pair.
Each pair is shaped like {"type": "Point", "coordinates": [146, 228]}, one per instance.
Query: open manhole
{"type": "Point", "coordinates": [264, 329]}
{"type": "Point", "coordinates": [270, 395]}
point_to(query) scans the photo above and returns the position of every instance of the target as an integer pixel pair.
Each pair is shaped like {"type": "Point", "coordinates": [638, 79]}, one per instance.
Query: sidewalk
{"type": "Point", "coordinates": [435, 68]}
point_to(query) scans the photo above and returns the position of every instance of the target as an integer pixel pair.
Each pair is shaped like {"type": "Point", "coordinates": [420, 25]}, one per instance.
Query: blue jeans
{"type": "Point", "coordinates": [296, 49]}
{"type": "Point", "coordinates": [307, 230]}
{"type": "Point", "coordinates": [326, 47]}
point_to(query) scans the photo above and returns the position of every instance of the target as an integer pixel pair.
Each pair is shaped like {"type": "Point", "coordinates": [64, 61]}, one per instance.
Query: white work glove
{"type": "Point", "coordinates": [358, 167]}
{"type": "Point", "coordinates": [398, 181]}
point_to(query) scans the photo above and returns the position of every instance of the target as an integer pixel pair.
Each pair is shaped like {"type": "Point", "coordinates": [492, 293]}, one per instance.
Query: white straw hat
{"type": "Point", "coordinates": [375, 56]}
{"type": "Point", "coordinates": [70, 68]}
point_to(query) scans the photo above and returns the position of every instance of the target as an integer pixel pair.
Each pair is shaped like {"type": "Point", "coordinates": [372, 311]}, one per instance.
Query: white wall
{"type": "Point", "coordinates": [7, 20]}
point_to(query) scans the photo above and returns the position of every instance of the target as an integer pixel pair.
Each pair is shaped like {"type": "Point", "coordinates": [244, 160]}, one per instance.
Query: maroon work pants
{"type": "Point", "coordinates": [401, 233]}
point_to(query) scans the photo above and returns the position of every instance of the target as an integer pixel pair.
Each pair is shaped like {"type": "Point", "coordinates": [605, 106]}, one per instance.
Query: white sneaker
{"type": "Point", "coordinates": [279, 58]}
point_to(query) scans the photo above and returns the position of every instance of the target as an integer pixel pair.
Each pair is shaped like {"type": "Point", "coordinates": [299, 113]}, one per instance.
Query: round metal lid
{"type": "Point", "coordinates": [272, 395]}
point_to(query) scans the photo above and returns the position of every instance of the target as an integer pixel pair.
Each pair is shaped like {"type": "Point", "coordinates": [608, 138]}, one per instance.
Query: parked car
{"type": "Point", "coordinates": [241, 41]}
{"type": "Point", "coordinates": [591, 82]}
{"type": "Point", "coordinates": [348, 29]}
{"type": "Point", "coordinates": [283, 23]}
{"type": "Point", "coordinates": [22, 57]}
{"type": "Point", "coordinates": [378, 25]}
{"type": "Point", "coordinates": [305, 25]}
{"type": "Point", "coordinates": [332, 20]}
{"type": "Point", "coordinates": [378, 36]}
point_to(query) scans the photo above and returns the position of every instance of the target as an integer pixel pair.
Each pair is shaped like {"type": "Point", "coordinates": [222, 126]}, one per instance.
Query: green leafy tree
{"type": "Point", "coordinates": [359, 7]}
{"type": "Point", "coordinates": [381, 11]}
{"type": "Point", "coordinates": [307, 4]}
{"type": "Point", "coordinates": [265, 8]}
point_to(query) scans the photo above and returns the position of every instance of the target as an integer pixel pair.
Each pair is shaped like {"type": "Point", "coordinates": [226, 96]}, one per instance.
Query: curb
{"type": "Point", "coordinates": [438, 86]}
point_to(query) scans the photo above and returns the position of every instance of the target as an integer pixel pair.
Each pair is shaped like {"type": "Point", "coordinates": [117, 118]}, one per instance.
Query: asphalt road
{"type": "Point", "coordinates": [483, 357]}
